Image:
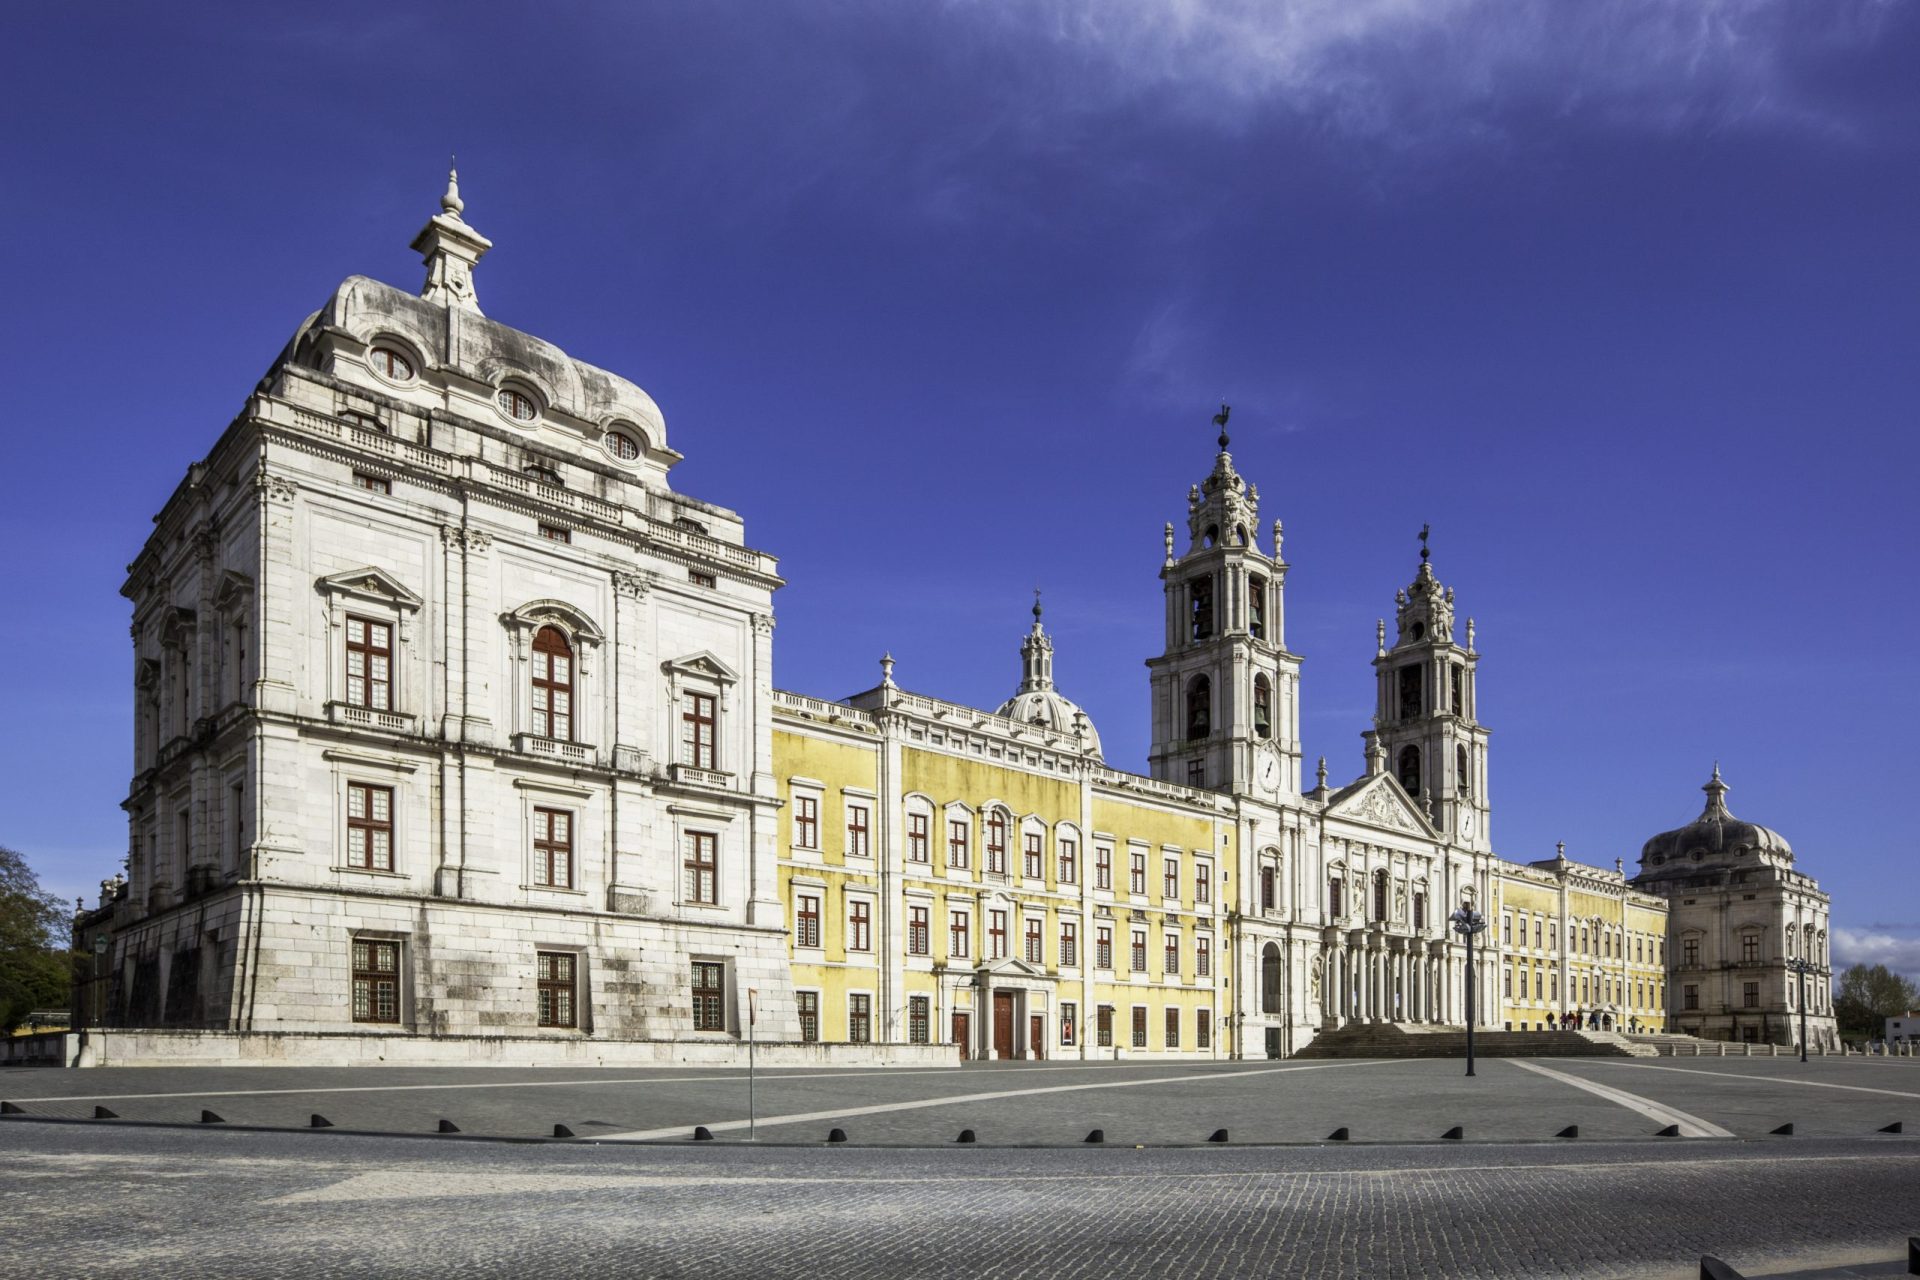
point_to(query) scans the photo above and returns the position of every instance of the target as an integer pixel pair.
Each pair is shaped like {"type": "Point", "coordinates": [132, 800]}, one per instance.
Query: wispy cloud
{"type": "Point", "coordinates": [1408, 70]}
{"type": "Point", "coordinates": [1895, 946]}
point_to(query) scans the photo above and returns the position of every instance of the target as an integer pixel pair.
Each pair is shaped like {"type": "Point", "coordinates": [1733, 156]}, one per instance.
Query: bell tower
{"type": "Point", "coordinates": [1226, 706]}
{"type": "Point", "coordinates": [1426, 730]}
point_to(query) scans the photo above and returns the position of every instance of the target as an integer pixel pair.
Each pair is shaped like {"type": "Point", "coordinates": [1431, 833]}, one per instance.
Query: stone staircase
{"type": "Point", "coordinates": [1397, 1040]}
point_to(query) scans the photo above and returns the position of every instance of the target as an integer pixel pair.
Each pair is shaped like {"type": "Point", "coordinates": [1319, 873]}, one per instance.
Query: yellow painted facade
{"type": "Point", "coordinates": [1577, 941]}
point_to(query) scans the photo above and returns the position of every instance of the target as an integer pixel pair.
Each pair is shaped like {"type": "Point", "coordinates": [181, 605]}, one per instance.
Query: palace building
{"type": "Point", "coordinates": [457, 740]}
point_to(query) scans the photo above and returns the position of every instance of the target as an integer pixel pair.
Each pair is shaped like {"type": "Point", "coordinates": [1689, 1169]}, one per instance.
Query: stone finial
{"type": "Point", "coordinates": [1469, 635]}
{"type": "Point", "coordinates": [886, 671]}
{"type": "Point", "coordinates": [1169, 538]}
{"type": "Point", "coordinates": [1560, 850]}
{"type": "Point", "coordinates": [1619, 866]}
{"type": "Point", "coordinates": [1321, 774]}
{"type": "Point", "coordinates": [1277, 533]}
{"type": "Point", "coordinates": [1379, 637]}
{"type": "Point", "coordinates": [1376, 755]}
{"type": "Point", "coordinates": [79, 906]}
{"type": "Point", "coordinates": [451, 203]}
{"type": "Point", "coordinates": [1036, 606]}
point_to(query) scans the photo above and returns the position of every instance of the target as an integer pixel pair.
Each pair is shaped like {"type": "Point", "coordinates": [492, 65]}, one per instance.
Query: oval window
{"type": "Point", "coordinates": [389, 363]}
{"type": "Point", "coordinates": [517, 404]}
{"type": "Point", "coordinates": [621, 445]}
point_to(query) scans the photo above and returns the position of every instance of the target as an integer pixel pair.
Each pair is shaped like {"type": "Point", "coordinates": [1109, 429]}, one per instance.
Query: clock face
{"type": "Point", "coordinates": [1267, 773]}
{"type": "Point", "coordinates": [1466, 822]}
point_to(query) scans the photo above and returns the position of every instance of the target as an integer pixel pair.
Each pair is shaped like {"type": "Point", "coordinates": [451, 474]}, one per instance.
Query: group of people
{"type": "Point", "coordinates": [1591, 1020]}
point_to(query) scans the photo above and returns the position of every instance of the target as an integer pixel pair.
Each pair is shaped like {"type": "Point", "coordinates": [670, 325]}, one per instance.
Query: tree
{"type": "Point", "coordinates": [35, 970]}
{"type": "Point", "coordinates": [1868, 996]}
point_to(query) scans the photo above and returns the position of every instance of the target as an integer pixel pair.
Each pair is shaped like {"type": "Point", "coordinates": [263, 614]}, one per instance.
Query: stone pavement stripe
{"type": "Point", "coordinates": [491, 1084]}
{"type": "Point", "coordinates": [803, 1117]}
{"type": "Point", "coordinates": [1745, 1079]}
{"type": "Point", "coordinates": [1690, 1126]}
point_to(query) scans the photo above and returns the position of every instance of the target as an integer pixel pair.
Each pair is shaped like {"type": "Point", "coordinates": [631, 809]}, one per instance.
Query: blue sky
{"type": "Point", "coordinates": [1622, 298]}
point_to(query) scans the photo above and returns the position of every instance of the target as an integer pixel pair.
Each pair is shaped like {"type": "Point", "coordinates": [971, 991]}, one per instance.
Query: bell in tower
{"type": "Point", "coordinates": [1426, 731]}
{"type": "Point", "coordinates": [1225, 689]}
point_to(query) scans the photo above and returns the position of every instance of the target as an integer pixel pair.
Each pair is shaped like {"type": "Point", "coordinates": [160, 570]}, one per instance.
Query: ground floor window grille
{"type": "Point", "coordinates": [919, 1021]}
{"type": "Point", "coordinates": [809, 1016]}
{"type": "Point", "coordinates": [1104, 1026]}
{"type": "Point", "coordinates": [376, 981]}
{"type": "Point", "coordinates": [1067, 1012]}
{"type": "Point", "coordinates": [556, 971]}
{"type": "Point", "coordinates": [1173, 1028]}
{"type": "Point", "coordinates": [709, 996]}
{"type": "Point", "coordinates": [859, 1019]}
{"type": "Point", "coordinates": [1203, 1029]}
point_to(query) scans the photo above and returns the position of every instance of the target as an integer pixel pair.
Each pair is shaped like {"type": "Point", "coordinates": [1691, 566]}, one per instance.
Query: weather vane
{"type": "Point", "coordinates": [1220, 421]}
{"type": "Point", "coordinates": [1425, 529]}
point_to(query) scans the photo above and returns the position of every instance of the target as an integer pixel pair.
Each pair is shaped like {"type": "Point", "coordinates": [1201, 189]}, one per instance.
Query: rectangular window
{"type": "Point", "coordinates": [1202, 882]}
{"type": "Point", "coordinates": [806, 822]}
{"type": "Point", "coordinates": [709, 996]}
{"type": "Point", "coordinates": [1030, 858]}
{"type": "Point", "coordinates": [1536, 935]}
{"type": "Point", "coordinates": [1103, 1026]}
{"type": "Point", "coordinates": [806, 931]}
{"type": "Point", "coordinates": [1170, 879]}
{"type": "Point", "coordinates": [1459, 702]}
{"type": "Point", "coordinates": [1171, 957]}
{"type": "Point", "coordinates": [1336, 900]}
{"type": "Point", "coordinates": [1203, 1029]}
{"type": "Point", "coordinates": [957, 924]}
{"type": "Point", "coordinates": [1137, 874]}
{"type": "Point", "coordinates": [1036, 947]}
{"type": "Point", "coordinates": [957, 842]}
{"type": "Point", "coordinates": [554, 982]}
{"type": "Point", "coordinates": [1069, 944]}
{"type": "Point", "coordinates": [369, 827]}
{"type": "Point", "coordinates": [859, 1019]}
{"type": "Point", "coordinates": [373, 484]}
{"type": "Point", "coordinates": [1410, 698]}
{"type": "Point", "coordinates": [369, 664]}
{"type": "Point", "coordinates": [1200, 594]}
{"type": "Point", "coordinates": [1257, 608]}
{"type": "Point", "coordinates": [859, 925]}
{"type": "Point", "coordinates": [1202, 956]}
{"type": "Point", "coordinates": [917, 837]}
{"type": "Point", "coordinates": [376, 981]}
{"type": "Point", "coordinates": [1138, 954]}
{"type": "Point", "coordinates": [1067, 1020]}
{"type": "Point", "coordinates": [1689, 996]}
{"type": "Point", "coordinates": [917, 931]}
{"type": "Point", "coordinates": [1139, 1026]}
{"type": "Point", "coordinates": [919, 1020]}
{"type": "Point", "coordinates": [996, 934]}
{"type": "Point", "coordinates": [696, 731]}
{"type": "Point", "coordinates": [857, 832]}
{"type": "Point", "coordinates": [703, 867]}
{"type": "Point", "coordinates": [699, 579]}
{"type": "Point", "coordinates": [1553, 935]}
{"type": "Point", "coordinates": [1750, 995]}
{"type": "Point", "coordinates": [1750, 947]}
{"type": "Point", "coordinates": [1069, 862]}
{"type": "Point", "coordinates": [554, 533]}
{"type": "Point", "coordinates": [1419, 911]}
{"type": "Point", "coordinates": [1103, 947]}
{"type": "Point", "coordinates": [1690, 953]}
{"type": "Point", "coordinates": [1538, 991]}
{"type": "Point", "coordinates": [1506, 929]}
{"type": "Point", "coordinates": [553, 848]}
{"type": "Point", "coordinates": [809, 1002]}
{"type": "Point", "coordinates": [997, 844]}
{"type": "Point", "coordinates": [1173, 1028]}
{"type": "Point", "coordinates": [1506, 982]}
{"type": "Point", "coordinates": [1196, 773]}
{"type": "Point", "coordinates": [1102, 867]}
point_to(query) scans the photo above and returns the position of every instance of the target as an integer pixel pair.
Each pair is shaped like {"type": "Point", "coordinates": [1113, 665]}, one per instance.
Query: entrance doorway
{"type": "Point", "coordinates": [1037, 1035]}
{"type": "Point", "coordinates": [1003, 1024]}
{"type": "Point", "coordinates": [961, 1025]}
{"type": "Point", "coordinates": [1273, 1042]}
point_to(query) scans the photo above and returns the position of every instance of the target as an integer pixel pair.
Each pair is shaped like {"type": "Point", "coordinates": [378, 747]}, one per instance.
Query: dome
{"type": "Point", "coordinates": [1715, 835]}
{"type": "Point", "coordinates": [1052, 710]}
{"type": "Point", "coordinates": [1036, 701]}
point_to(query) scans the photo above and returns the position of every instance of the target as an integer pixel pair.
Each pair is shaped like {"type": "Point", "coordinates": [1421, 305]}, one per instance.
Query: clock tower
{"type": "Point", "coordinates": [1226, 706]}
{"type": "Point", "coordinates": [1425, 721]}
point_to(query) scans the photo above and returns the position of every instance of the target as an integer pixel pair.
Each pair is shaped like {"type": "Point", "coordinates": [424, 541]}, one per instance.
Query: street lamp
{"type": "Point", "coordinates": [1802, 967]}
{"type": "Point", "coordinates": [1467, 922]}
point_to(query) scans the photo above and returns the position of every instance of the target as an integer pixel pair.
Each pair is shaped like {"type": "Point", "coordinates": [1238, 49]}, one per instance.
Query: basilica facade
{"type": "Point", "coordinates": [457, 739]}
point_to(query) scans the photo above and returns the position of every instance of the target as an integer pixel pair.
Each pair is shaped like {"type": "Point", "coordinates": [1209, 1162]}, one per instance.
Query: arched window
{"type": "Point", "coordinates": [517, 404]}
{"type": "Point", "coordinates": [1410, 769]}
{"type": "Point", "coordinates": [1199, 707]}
{"type": "Point", "coordinates": [1462, 774]}
{"type": "Point", "coordinates": [392, 364]}
{"type": "Point", "coordinates": [1271, 978]}
{"type": "Point", "coordinates": [1262, 707]}
{"type": "Point", "coordinates": [552, 684]}
{"type": "Point", "coordinates": [1257, 608]}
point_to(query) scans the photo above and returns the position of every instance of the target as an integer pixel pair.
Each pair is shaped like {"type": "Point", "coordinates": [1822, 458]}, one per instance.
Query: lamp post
{"type": "Point", "coordinates": [1801, 967]}
{"type": "Point", "coordinates": [1467, 922]}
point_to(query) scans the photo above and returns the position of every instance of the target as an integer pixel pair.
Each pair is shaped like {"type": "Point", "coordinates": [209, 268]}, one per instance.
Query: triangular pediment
{"type": "Point", "coordinates": [1380, 801]}
{"type": "Point", "coordinates": [702, 665]}
{"type": "Point", "coordinates": [370, 583]}
{"type": "Point", "coordinates": [1012, 966]}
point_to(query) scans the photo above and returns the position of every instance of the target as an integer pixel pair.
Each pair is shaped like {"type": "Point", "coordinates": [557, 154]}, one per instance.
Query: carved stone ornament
{"type": "Point", "coordinates": [763, 624]}
{"type": "Point", "coordinates": [465, 537]}
{"type": "Point", "coordinates": [634, 585]}
{"type": "Point", "coordinates": [274, 488]}
{"type": "Point", "coordinates": [1382, 810]}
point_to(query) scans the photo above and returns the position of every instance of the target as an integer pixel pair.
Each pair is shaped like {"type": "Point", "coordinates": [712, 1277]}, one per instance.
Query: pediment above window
{"type": "Point", "coordinates": [533, 615]}
{"type": "Point", "coordinates": [235, 590]}
{"type": "Point", "coordinates": [370, 584]}
{"type": "Point", "coordinates": [701, 666]}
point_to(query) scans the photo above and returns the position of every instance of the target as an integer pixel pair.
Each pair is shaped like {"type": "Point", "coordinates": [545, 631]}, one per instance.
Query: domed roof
{"type": "Point", "coordinates": [1715, 834]}
{"type": "Point", "coordinates": [1036, 701]}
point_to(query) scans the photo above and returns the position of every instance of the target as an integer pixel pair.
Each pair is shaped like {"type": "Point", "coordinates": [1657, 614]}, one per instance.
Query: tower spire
{"type": "Point", "coordinates": [1036, 655]}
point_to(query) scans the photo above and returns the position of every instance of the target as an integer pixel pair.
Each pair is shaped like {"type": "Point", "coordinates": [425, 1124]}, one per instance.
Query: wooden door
{"type": "Point", "coordinates": [960, 1036]}
{"type": "Point", "coordinates": [1003, 1024]}
{"type": "Point", "coordinates": [1037, 1035]}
